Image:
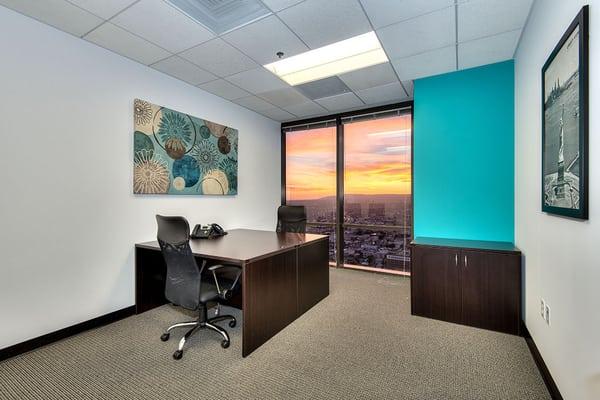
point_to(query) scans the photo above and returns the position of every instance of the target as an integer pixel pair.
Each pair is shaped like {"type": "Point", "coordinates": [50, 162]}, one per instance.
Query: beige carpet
{"type": "Point", "coordinates": [359, 343]}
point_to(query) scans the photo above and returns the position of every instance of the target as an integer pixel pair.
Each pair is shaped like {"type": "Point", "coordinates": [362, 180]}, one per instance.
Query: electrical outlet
{"type": "Point", "coordinates": [547, 314]}
{"type": "Point", "coordinates": [543, 308]}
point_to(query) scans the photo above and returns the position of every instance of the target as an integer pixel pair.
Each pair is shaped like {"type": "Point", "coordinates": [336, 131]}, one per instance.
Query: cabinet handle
{"type": "Point", "coordinates": [466, 262]}
{"type": "Point", "coordinates": [456, 259]}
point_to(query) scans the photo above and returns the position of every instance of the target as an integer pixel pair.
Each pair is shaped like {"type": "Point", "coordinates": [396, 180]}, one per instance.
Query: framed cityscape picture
{"type": "Point", "coordinates": [179, 154]}
{"type": "Point", "coordinates": [565, 123]}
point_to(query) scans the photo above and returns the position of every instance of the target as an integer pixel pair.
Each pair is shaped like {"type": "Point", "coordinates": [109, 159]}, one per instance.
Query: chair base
{"type": "Point", "coordinates": [201, 323]}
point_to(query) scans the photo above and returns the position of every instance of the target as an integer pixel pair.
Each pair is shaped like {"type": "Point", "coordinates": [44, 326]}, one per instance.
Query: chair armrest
{"type": "Point", "coordinates": [221, 266]}
{"type": "Point", "coordinates": [225, 293]}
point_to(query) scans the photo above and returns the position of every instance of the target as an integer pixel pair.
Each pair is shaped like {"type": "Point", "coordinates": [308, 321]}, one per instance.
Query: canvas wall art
{"type": "Point", "coordinates": [176, 153]}
{"type": "Point", "coordinates": [565, 123]}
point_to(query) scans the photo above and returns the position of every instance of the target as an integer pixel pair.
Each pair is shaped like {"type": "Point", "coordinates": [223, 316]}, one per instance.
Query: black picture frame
{"type": "Point", "coordinates": [563, 192]}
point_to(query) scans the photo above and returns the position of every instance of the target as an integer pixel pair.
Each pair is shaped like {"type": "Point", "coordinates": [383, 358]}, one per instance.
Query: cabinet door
{"type": "Point", "coordinates": [435, 288]}
{"type": "Point", "coordinates": [491, 290]}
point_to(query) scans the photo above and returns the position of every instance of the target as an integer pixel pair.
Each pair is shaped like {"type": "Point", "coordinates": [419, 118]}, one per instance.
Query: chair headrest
{"type": "Point", "coordinates": [173, 229]}
{"type": "Point", "coordinates": [292, 213]}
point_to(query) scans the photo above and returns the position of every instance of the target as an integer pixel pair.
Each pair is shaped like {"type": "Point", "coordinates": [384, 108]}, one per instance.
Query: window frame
{"type": "Point", "coordinates": [339, 217]}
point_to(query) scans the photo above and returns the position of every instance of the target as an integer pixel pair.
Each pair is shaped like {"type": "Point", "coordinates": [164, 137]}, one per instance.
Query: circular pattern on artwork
{"type": "Point", "coordinates": [216, 130]}
{"type": "Point", "coordinates": [175, 148]}
{"type": "Point", "coordinates": [224, 145]}
{"type": "Point", "coordinates": [230, 133]}
{"type": "Point", "coordinates": [141, 141]}
{"type": "Point", "coordinates": [204, 132]}
{"type": "Point", "coordinates": [187, 169]}
{"type": "Point", "coordinates": [206, 155]}
{"type": "Point", "coordinates": [179, 183]}
{"type": "Point", "coordinates": [230, 167]}
{"type": "Point", "coordinates": [175, 132]}
{"type": "Point", "coordinates": [142, 112]}
{"type": "Point", "coordinates": [215, 182]}
{"type": "Point", "coordinates": [150, 174]}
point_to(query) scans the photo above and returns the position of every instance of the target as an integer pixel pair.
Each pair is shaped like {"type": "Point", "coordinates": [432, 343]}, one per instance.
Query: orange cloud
{"type": "Point", "coordinates": [377, 159]}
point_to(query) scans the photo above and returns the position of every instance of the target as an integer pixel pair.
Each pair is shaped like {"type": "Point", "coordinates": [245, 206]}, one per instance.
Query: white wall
{"type": "Point", "coordinates": [562, 255]}
{"type": "Point", "coordinates": [69, 219]}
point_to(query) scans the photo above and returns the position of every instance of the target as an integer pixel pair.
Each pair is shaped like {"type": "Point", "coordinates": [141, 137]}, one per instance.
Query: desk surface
{"type": "Point", "coordinates": [244, 245]}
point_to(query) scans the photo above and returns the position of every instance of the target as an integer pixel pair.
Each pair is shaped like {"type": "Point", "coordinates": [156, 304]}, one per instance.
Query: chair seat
{"type": "Point", "coordinates": [208, 292]}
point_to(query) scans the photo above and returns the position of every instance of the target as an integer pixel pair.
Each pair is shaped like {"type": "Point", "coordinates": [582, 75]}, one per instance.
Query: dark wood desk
{"type": "Point", "coordinates": [284, 275]}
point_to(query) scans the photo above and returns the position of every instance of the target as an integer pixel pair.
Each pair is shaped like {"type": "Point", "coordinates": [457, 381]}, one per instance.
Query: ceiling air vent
{"type": "Point", "coordinates": [323, 88]}
{"type": "Point", "coordinates": [222, 16]}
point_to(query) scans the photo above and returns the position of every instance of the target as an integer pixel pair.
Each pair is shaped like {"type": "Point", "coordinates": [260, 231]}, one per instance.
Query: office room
{"type": "Point", "coordinates": [299, 199]}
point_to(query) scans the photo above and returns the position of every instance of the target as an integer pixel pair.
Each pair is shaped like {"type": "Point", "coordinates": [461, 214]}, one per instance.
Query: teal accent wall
{"type": "Point", "coordinates": [464, 154]}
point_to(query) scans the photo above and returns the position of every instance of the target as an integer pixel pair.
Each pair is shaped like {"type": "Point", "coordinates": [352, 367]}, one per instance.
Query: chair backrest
{"type": "Point", "coordinates": [182, 286]}
{"type": "Point", "coordinates": [291, 219]}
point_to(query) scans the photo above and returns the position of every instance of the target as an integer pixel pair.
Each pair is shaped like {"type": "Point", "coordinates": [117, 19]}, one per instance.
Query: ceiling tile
{"type": "Point", "coordinates": [417, 35]}
{"type": "Point", "coordinates": [488, 50]}
{"type": "Point", "coordinates": [386, 12]}
{"type": "Point", "coordinates": [320, 23]}
{"type": "Point", "coordinates": [384, 93]}
{"type": "Point", "coordinates": [219, 57]}
{"type": "Point", "coordinates": [261, 40]}
{"type": "Point", "coordinates": [409, 87]}
{"type": "Point", "coordinates": [257, 80]}
{"type": "Point", "coordinates": [283, 97]}
{"type": "Point", "coordinates": [58, 13]}
{"type": "Point", "coordinates": [224, 89]}
{"type": "Point", "coordinates": [163, 25]}
{"type": "Point", "coordinates": [127, 44]}
{"type": "Point", "coordinates": [426, 64]}
{"type": "Point", "coordinates": [479, 18]}
{"type": "Point", "coordinates": [254, 103]}
{"type": "Point", "coordinates": [103, 8]}
{"type": "Point", "coordinates": [278, 114]}
{"type": "Point", "coordinates": [184, 70]}
{"type": "Point", "coordinates": [365, 78]}
{"type": "Point", "coordinates": [305, 109]}
{"type": "Point", "coordinates": [277, 5]}
{"type": "Point", "coordinates": [340, 102]}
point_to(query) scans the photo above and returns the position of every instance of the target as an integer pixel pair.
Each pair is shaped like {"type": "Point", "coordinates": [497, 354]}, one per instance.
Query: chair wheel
{"type": "Point", "coordinates": [232, 323]}
{"type": "Point", "coordinates": [164, 337]}
{"type": "Point", "coordinates": [225, 344]}
{"type": "Point", "coordinates": [178, 354]}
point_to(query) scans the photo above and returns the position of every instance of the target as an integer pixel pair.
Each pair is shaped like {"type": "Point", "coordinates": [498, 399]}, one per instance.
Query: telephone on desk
{"type": "Point", "coordinates": [207, 231]}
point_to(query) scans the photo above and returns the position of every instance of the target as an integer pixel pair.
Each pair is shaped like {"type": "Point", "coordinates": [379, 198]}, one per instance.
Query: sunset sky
{"type": "Point", "coordinates": [377, 159]}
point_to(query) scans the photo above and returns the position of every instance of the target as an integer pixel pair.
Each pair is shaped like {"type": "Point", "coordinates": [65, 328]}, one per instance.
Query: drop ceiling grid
{"type": "Point", "coordinates": [477, 24]}
{"type": "Point", "coordinates": [370, 19]}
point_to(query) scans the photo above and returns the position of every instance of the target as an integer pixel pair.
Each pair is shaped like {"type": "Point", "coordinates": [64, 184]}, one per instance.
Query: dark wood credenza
{"type": "Point", "coordinates": [476, 283]}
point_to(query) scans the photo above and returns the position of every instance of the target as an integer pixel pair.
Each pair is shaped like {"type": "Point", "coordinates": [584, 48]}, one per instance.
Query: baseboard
{"type": "Point", "coordinates": [539, 361]}
{"type": "Point", "coordinates": [52, 337]}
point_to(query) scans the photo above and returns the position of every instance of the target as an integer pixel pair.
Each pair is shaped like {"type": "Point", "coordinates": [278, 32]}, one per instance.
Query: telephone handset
{"type": "Point", "coordinates": [207, 231]}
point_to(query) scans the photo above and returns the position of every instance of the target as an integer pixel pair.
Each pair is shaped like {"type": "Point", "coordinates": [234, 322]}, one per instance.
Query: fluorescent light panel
{"type": "Point", "coordinates": [334, 59]}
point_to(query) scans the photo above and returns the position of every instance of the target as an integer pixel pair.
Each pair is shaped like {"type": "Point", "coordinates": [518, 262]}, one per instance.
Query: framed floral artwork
{"type": "Point", "coordinates": [176, 153]}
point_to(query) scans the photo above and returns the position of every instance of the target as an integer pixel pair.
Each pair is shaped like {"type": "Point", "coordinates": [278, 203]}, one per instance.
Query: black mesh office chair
{"type": "Point", "coordinates": [186, 287]}
{"type": "Point", "coordinates": [291, 219]}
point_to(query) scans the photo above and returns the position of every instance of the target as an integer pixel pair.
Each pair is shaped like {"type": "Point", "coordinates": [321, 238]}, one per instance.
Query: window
{"type": "Point", "coordinates": [310, 176]}
{"type": "Point", "coordinates": [369, 185]}
{"type": "Point", "coordinates": [377, 192]}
